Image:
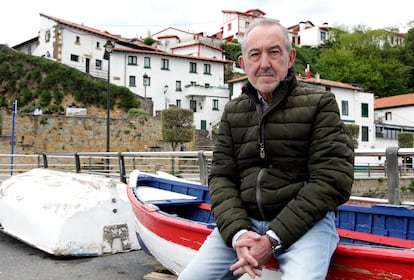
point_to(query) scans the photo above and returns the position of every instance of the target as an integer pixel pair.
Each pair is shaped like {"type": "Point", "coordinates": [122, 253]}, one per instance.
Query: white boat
{"type": "Point", "coordinates": [68, 214]}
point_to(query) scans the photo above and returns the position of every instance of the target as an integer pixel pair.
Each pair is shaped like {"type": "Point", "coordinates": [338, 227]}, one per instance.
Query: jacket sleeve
{"type": "Point", "coordinates": [229, 214]}
{"type": "Point", "coordinates": [331, 172]}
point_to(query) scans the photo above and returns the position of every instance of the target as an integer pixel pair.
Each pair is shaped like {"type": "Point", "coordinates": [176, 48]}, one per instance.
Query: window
{"type": "Point", "coordinates": [193, 105]}
{"type": "Point", "coordinates": [178, 103]}
{"type": "Point", "coordinates": [364, 110]}
{"type": "Point", "coordinates": [147, 62]}
{"type": "Point", "coordinates": [378, 132]}
{"type": "Point", "coordinates": [74, 57]}
{"type": "Point", "coordinates": [215, 105]}
{"type": "Point", "coordinates": [132, 81]}
{"type": "Point", "coordinates": [323, 36]}
{"type": "Point", "coordinates": [228, 26]}
{"type": "Point", "coordinates": [165, 64]}
{"type": "Point", "coordinates": [47, 36]}
{"type": "Point", "coordinates": [207, 69]}
{"type": "Point", "coordinates": [193, 67]}
{"type": "Point", "coordinates": [364, 133]}
{"type": "Point", "coordinates": [77, 40]}
{"type": "Point", "coordinates": [98, 45]}
{"type": "Point", "coordinates": [388, 116]}
{"type": "Point", "coordinates": [98, 64]}
{"type": "Point", "coordinates": [132, 60]}
{"type": "Point", "coordinates": [206, 85]}
{"type": "Point", "coordinates": [344, 106]}
{"type": "Point", "coordinates": [390, 133]}
{"type": "Point", "coordinates": [178, 86]}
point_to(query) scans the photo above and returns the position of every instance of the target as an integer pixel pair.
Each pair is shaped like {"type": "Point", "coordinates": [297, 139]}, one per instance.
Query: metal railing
{"type": "Point", "coordinates": [192, 165]}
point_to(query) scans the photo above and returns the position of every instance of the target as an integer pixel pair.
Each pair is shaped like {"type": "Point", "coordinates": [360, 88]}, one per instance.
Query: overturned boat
{"type": "Point", "coordinates": [68, 214]}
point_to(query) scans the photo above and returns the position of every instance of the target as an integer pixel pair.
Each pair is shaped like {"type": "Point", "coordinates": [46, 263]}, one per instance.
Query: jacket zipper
{"type": "Point", "coordinates": [262, 155]}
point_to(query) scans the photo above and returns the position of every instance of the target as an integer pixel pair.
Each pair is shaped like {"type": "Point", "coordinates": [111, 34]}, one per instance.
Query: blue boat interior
{"type": "Point", "coordinates": [383, 220]}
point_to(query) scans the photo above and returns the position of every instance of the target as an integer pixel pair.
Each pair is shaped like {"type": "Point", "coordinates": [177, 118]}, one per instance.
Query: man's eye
{"type": "Point", "coordinates": [275, 52]}
{"type": "Point", "coordinates": [254, 55]}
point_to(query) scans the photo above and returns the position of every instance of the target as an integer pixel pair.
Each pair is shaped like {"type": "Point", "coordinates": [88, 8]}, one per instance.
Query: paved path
{"type": "Point", "coordinates": [18, 261]}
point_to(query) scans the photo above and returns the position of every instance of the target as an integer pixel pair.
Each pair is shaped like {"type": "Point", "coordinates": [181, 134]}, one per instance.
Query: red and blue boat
{"type": "Point", "coordinates": [173, 219]}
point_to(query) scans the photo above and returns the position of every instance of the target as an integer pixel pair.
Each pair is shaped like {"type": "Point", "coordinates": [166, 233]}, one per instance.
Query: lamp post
{"type": "Point", "coordinates": [165, 95]}
{"type": "Point", "coordinates": [108, 49]}
{"type": "Point", "coordinates": [146, 82]}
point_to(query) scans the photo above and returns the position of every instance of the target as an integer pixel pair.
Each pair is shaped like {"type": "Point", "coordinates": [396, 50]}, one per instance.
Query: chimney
{"type": "Point", "coordinates": [317, 77]}
{"type": "Point", "coordinates": [307, 72]}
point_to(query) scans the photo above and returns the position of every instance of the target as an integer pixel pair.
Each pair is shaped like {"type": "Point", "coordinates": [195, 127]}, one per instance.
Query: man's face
{"type": "Point", "coordinates": [266, 60]}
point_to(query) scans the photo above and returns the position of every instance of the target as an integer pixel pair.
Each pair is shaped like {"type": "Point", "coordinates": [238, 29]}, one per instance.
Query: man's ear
{"type": "Point", "coordinates": [292, 57]}
{"type": "Point", "coordinates": [241, 62]}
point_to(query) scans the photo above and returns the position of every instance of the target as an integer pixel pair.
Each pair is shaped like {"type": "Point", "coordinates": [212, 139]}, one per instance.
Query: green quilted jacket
{"type": "Point", "coordinates": [289, 165]}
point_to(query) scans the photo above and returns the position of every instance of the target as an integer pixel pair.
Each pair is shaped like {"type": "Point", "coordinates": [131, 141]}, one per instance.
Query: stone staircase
{"type": "Point", "coordinates": [202, 142]}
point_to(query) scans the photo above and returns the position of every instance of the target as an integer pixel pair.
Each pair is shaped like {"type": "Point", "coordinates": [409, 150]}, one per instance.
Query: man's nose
{"type": "Point", "coordinates": [264, 61]}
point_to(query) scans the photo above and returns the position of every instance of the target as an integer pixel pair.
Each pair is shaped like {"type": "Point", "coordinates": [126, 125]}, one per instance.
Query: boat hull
{"type": "Point", "coordinates": [159, 230]}
{"type": "Point", "coordinates": [68, 214]}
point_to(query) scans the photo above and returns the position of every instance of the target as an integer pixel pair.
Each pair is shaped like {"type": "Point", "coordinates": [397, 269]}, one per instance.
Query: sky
{"type": "Point", "coordinates": [20, 20]}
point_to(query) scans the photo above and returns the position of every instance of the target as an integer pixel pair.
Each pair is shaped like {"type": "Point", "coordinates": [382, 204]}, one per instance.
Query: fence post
{"type": "Point", "coordinates": [121, 162]}
{"type": "Point", "coordinates": [393, 177]}
{"type": "Point", "coordinates": [77, 163]}
{"type": "Point", "coordinates": [203, 168]}
{"type": "Point", "coordinates": [45, 164]}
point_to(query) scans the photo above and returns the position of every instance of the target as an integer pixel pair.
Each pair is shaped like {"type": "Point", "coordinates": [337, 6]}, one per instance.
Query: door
{"type": "Point", "coordinates": [203, 124]}
{"type": "Point", "coordinates": [87, 65]}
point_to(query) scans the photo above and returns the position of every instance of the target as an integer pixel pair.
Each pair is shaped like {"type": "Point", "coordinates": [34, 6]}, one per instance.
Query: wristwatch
{"type": "Point", "coordinates": [277, 247]}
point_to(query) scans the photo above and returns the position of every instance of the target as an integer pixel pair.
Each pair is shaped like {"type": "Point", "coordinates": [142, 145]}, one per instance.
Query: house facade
{"type": "Point", "coordinates": [307, 34]}
{"type": "Point", "coordinates": [194, 81]}
{"type": "Point", "coordinates": [393, 115]}
{"type": "Point", "coordinates": [173, 80]}
{"type": "Point", "coordinates": [235, 23]}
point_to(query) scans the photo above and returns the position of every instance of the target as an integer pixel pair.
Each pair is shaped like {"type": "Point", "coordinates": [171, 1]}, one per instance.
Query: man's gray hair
{"type": "Point", "coordinates": [267, 21]}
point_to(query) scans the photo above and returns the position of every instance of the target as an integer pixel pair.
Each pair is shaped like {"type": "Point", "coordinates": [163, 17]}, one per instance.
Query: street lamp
{"type": "Point", "coordinates": [165, 95]}
{"type": "Point", "coordinates": [146, 81]}
{"type": "Point", "coordinates": [108, 49]}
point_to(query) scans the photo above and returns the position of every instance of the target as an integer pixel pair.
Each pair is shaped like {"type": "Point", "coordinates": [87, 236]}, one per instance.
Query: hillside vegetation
{"type": "Point", "coordinates": [35, 81]}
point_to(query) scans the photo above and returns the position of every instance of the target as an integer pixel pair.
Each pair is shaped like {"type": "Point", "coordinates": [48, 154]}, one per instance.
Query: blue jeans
{"type": "Point", "coordinates": [308, 258]}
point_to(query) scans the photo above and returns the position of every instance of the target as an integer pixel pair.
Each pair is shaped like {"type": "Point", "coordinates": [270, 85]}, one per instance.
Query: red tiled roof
{"type": "Point", "coordinates": [105, 34]}
{"type": "Point", "coordinates": [327, 83]}
{"type": "Point", "coordinates": [394, 101]}
{"type": "Point", "coordinates": [311, 80]}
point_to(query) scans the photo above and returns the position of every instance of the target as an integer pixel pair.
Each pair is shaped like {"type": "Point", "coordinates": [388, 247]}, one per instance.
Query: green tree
{"type": "Point", "coordinates": [177, 127]}
{"type": "Point", "coordinates": [365, 57]}
{"type": "Point", "coordinates": [353, 131]}
{"type": "Point", "coordinates": [232, 52]}
{"type": "Point", "coordinates": [149, 41]}
{"type": "Point", "coordinates": [405, 140]}
{"type": "Point", "coordinates": [306, 55]}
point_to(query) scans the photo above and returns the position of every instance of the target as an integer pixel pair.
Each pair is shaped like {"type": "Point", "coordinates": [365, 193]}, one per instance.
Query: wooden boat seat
{"type": "Point", "coordinates": [164, 197]}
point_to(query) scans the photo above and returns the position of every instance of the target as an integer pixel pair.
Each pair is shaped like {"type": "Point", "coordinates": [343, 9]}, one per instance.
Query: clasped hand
{"type": "Point", "coordinates": [253, 250]}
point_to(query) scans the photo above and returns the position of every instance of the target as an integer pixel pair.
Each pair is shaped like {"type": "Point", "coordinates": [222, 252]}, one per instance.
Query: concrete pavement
{"type": "Point", "coordinates": [19, 261]}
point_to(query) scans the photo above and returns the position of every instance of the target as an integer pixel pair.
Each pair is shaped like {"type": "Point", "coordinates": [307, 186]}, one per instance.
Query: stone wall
{"type": "Point", "coordinates": [60, 134]}
{"type": "Point", "coordinates": [377, 187]}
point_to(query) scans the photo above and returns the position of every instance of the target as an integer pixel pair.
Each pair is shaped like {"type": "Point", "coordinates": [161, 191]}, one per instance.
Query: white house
{"type": "Point", "coordinates": [356, 107]}
{"type": "Point", "coordinates": [194, 81]}
{"type": "Point", "coordinates": [75, 45]}
{"type": "Point", "coordinates": [307, 34]}
{"type": "Point", "coordinates": [393, 114]}
{"type": "Point", "coordinates": [235, 23]}
{"type": "Point", "coordinates": [178, 41]}
{"type": "Point", "coordinates": [173, 80]}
